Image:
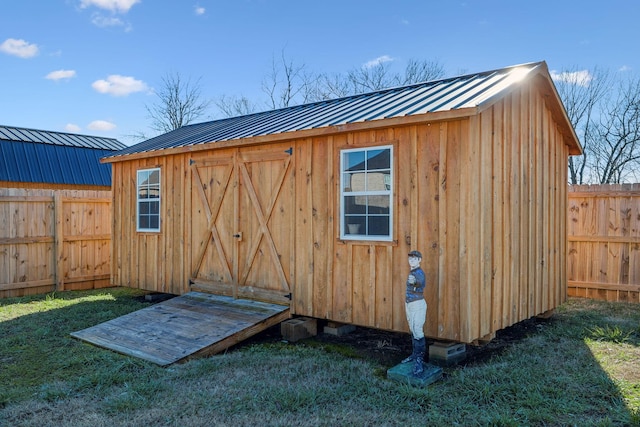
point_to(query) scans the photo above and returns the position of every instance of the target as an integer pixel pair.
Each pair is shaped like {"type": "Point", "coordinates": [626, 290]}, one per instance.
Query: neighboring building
{"type": "Point", "coordinates": [317, 205]}
{"type": "Point", "coordinates": [42, 159]}
{"type": "Point", "coordinates": [55, 211]}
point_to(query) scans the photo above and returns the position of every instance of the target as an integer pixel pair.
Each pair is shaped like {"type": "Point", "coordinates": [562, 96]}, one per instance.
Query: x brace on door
{"type": "Point", "coordinates": [234, 173]}
{"type": "Point", "coordinates": [212, 215]}
{"type": "Point", "coordinates": [263, 218]}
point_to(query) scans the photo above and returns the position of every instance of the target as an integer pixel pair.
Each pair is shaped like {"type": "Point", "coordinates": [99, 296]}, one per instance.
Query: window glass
{"type": "Point", "coordinates": [366, 193]}
{"type": "Point", "coordinates": [148, 203]}
{"type": "Point", "coordinates": [354, 161]}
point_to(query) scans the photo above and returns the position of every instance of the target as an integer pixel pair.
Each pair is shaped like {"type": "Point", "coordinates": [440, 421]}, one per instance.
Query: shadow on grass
{"type": "Point", "coordinates": [583, 362]}
{"type": "Point", "coordinates": [581, 367]}
{"type": "Point", "coordinates": [36, 349]}
{"type": "Point", "coordinates": [554, 372]}
{"type": "Point", "coordinates": [610, 333]}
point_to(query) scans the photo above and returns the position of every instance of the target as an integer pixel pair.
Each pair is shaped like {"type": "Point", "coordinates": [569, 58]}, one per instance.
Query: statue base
{"type": "Point", "coordinates": [404, 373]}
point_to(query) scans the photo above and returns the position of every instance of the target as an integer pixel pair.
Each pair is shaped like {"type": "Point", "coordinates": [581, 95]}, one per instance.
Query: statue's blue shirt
{"type": "Point", "coordinates": [415, 291]}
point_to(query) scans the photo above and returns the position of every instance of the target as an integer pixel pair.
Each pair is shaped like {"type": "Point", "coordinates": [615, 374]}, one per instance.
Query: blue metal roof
{"type": "Point", "coordinates": [456, 93]}
{"type": "Point", "coordinates": [28, 155]}
{"type": "Point", "coordinates": [10, 133]}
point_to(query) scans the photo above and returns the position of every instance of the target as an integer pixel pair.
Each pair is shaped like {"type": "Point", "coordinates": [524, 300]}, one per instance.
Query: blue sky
{"type": "Point", "coordinates": [90, 66]}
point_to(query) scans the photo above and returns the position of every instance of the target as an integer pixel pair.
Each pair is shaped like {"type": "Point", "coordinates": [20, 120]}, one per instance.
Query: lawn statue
{"type": "Point", "coordinates": [416, 311]}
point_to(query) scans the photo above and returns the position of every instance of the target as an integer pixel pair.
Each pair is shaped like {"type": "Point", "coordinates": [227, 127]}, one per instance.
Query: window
{"type": "Point", "coordinates": [149, 200]}
{"type": "Point", "coordinates": [366, 185]}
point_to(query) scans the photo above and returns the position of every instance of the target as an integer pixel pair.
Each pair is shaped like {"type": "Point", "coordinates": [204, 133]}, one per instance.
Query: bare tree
{"type": "Point", "coordinates": [285, 85]}
{"type": "Point", "coordinates": [616, 143]}
{"type": "Point", "coordinates": [179, 103]}
{"type": "Point", "coordinates": [232, 106]}
{"type": "Point", "coordinates": [380, 76]}
{"type": "Point", "coordinates": [604, 109]}
{"type": "Point", "coordinates": [421, 71]}
{"type": "Point", "coordinates": [581, 91]}
{"type": "Point", "coordinates": [371, 78]}
{"type": "Point", "coordinates": [331, 87]}
{"type": "Point", "coordinates": [288, 83]}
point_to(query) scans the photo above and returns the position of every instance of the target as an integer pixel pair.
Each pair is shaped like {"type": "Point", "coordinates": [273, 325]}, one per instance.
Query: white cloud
{"type": "Point", "coordinates": [580, 78]}
{"type": "Point", "coordinates": [102, 125]}
{"type": "Point", "coordinates": [117, 85]}
{"type": "Point", "coordinates": [119, 6]}
{"type": "Point", "coordinates": [61, 75]}
{"type": "Point", "coordinates": [115, 7]}
{"type": "Point", "coordinates": [379, 60]}
{"type": "Point", "coordinates": [624, 68]}
{"type": "Point", "coordinates": [200, 10]}
{"type": "Point", "coordinates": [106, 21]}
{"type": "Point", "coordinates": [19, 47]}
{"type": "Point", "coordinates": [70, 127]}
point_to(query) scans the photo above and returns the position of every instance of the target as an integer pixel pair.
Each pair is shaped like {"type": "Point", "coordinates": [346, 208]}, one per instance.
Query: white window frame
{"type": "Point", "coordinates": [388, 181]}
{"type": "Point", "coordinates": [140, 175]}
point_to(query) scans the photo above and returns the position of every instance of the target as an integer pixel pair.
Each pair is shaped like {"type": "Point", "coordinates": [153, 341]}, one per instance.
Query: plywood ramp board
{"type": "Point", "coordinates": [191, 325]}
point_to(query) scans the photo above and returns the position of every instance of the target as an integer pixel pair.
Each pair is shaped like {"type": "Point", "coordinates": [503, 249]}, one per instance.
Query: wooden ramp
{"type": "Point", "coordinates": [191, 325]}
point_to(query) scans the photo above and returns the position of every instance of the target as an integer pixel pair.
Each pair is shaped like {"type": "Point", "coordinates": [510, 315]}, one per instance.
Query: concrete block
{"type": "Point", "coordinates": [299, 328]}
{"type": "Point", "coordinates": [404, 373]}
{"type": "Point", "coordinates": [338, 329]}
{"type": "Point", "coordinates": [447, 354]}
{"type": "Point", "coordinates": [157, 297]}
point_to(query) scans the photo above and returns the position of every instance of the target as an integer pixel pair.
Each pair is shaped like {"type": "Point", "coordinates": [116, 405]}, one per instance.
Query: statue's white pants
{"type": "Point", "coordinates": [416, 316]}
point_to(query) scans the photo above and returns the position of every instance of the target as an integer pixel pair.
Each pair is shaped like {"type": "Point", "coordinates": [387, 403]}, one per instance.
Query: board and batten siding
{"type": "Point", "coordinates": [518, 212]}
{"type": "Point", "coordinates": [483, 198]}
{"type": "Point", "coordinates": [147, 260]}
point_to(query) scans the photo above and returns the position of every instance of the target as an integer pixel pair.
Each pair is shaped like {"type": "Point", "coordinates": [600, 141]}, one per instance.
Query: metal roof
{"type": "Point", "coordinates": [9, 133]}
{"type": "Point", "coordinates": [28, 155]}
{"type": "Point", "coordinates": [461, 92]}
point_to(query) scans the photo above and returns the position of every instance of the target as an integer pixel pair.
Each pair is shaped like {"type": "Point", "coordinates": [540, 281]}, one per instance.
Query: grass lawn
{"type": "Point", "coordinates": [582, 367]}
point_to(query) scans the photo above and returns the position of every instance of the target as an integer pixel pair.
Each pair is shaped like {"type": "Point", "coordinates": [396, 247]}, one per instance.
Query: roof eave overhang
{"type": "Point", "coordinates": [302, 134]}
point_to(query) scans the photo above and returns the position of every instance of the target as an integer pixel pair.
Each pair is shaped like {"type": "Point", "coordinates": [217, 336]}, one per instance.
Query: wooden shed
{"type": "Point", "coordinates": [316, 206]}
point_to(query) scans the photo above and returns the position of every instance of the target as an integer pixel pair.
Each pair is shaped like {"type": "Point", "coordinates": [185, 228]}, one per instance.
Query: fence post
{"type": "Point", "coordinates": [59, 241]}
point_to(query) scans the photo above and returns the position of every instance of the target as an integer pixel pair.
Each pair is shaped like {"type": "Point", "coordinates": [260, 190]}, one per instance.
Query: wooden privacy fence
{"type": "Point", "coordinates": [603, 242]}
{"type": "Point", "coordinates": [60, 240]}
{"type": "Point", "coordinates": [53, 240]}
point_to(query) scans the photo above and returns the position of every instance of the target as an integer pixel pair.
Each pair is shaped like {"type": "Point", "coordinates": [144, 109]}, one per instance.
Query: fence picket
{"type": "Point", "coordinates": [604, 235]}
{"type": "Point", "coordinates": [603, 226]}
{"type": "Point", "coordinates": [38, 233]}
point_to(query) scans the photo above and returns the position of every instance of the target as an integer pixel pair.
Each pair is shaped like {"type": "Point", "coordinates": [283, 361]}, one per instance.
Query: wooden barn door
{"type": "Point", "coordinates": [242, 229]}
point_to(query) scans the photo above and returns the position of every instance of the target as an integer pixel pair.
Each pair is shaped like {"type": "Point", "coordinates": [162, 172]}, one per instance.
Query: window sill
{"type": "Point", "coordinates": [367, 242]}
